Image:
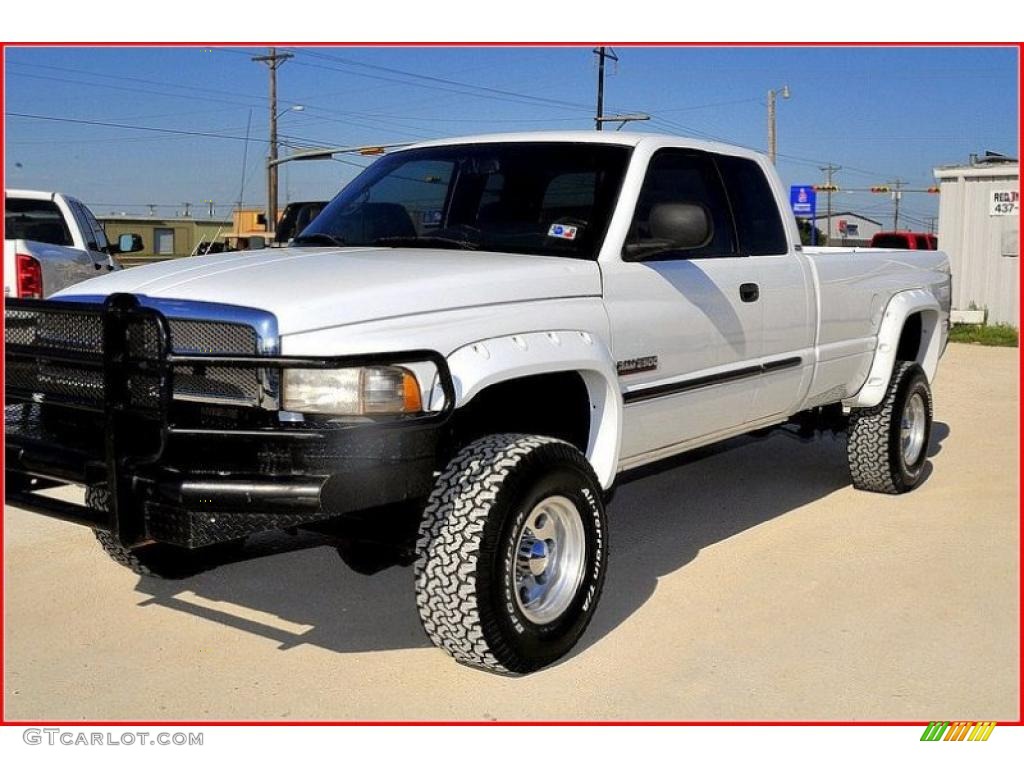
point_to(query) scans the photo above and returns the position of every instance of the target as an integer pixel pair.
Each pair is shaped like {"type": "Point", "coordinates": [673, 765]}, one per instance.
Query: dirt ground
{"type": "Point", "coordinates": [747, 582]}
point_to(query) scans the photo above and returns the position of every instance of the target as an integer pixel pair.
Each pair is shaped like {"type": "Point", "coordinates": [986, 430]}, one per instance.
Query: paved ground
{"type": "Point", "coordinates": [754, 583]}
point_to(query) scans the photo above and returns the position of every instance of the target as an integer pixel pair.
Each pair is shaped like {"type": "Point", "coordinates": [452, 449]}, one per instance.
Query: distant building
{"type": "Point", "coordinates": [979, 227]}
{"type": "Point", "coordinates": [165, 237]}
{"type": "Point", "coordinates": [847, 228]}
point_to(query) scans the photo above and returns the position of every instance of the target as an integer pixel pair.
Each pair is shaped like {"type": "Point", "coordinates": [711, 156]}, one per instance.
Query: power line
{"type": "Point", "coordinates": [151, 129]}
{"type": "Point", "coordinates": [442, 80]}
{"type": "Point", "coordinates": [147, 91]}
{"type": "Point", "coordinates": [128, 127]}
{"type": "Point", "coordinates": [463, 89]}
{"type": "Point", "coordinates": [190, 88]}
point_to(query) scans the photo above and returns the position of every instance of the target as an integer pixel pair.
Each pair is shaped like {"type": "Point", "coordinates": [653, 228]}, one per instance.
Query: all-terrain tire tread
{"type": "Point", "coordinates": [449, 545]}
{"type": "Point", "coordinates": [97, 498]}
{"type": "Point", "coordinates": [872, 465]}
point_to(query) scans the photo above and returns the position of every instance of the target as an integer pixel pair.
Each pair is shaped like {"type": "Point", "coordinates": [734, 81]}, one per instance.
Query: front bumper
{"type": "Point", "coordinates": [192, 474]}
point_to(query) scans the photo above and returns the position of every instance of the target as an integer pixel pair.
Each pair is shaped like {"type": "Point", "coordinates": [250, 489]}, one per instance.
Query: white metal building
{"type": "Point", "coordinates": [979, 227]}
{"type": "Point", "coordinates": [846, 227]}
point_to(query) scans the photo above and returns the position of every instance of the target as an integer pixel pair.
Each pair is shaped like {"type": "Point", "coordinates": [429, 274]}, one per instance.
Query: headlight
{"type": "Point", "coordinates": [351, 391]}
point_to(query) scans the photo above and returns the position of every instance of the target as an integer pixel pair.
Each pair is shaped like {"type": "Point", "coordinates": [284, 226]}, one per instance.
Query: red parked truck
{"type": "Point", "coordinates": [914, 241]}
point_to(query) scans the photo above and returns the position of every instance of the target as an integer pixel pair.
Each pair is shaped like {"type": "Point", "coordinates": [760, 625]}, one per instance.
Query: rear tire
{"type": "Point", "coordinates": [888, 444]}
{"type": "Point", "coordinates": [512, 553]}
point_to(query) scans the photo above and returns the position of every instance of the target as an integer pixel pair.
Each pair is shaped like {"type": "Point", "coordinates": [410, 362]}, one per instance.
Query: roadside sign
{"type": "Point", "coordinates": [1004, 202]}
{"type": "Point", "coordinates": [803, 200]}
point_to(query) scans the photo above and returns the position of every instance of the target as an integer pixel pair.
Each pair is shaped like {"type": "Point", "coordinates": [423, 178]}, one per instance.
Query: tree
{"type": "Point", "coordinates": [805, 233]}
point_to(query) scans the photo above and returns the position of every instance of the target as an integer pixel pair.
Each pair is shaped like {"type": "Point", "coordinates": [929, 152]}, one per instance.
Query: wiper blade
{"type": "Point", "coordinates": [427, 242]}
{"type": "Point", "coordinates": [318, 238]}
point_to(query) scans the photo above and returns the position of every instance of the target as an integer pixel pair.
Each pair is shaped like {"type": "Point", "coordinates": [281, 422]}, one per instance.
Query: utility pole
{"type": "Point", "coordinates": [188, 209]}
{"type": "Point", "coordinates": [602, 53]}
{"type": "Point", "coordinates": [829, 170]}
{"type": "Point", "coordinates": [273, 60]}
{"type": "Point", "coordinates": [896, 195]}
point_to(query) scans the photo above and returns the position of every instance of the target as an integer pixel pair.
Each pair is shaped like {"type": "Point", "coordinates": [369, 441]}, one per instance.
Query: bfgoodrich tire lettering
{"type": "Point", "coordinates": [467, 552]}
{"type": "Point", "coordinates": [876, 447]}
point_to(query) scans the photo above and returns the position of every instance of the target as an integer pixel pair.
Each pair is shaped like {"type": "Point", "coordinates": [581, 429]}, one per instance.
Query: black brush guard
{"type": "Point", "coordinates": [192, 475]}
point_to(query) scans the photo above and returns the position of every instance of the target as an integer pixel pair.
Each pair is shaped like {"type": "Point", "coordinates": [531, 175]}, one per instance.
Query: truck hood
{"type": "Point", "coordinates": [310, 288]}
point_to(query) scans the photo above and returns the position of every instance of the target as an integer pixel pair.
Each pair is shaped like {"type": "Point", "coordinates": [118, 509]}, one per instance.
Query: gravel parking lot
{"type": "Point", "coordinates": [753, 583]}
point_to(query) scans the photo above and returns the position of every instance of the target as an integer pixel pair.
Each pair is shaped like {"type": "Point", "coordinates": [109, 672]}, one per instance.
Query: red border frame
{"type": "Point", "coordinates": [506, 44]}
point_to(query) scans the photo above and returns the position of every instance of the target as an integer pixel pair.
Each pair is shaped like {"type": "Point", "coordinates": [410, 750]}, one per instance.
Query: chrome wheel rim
{"type": "Point", "coordinates": [912, 427]}
{"type": "Point", "coordinates": [550, 558]}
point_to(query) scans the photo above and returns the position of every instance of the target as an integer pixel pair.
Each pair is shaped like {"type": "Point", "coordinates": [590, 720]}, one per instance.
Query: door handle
{"type": "Point", "coordinates": [749, 292]}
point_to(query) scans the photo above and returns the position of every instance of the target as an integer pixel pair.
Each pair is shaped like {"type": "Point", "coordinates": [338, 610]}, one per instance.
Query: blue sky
{"type": "Point", "coordinates": [881, 113]}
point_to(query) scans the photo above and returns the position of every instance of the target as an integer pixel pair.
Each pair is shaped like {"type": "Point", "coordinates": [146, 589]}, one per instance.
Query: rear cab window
{"type": "Point", "coordinates": [37, 220]}
{"type": "Point", "coordinates": [759, 226]}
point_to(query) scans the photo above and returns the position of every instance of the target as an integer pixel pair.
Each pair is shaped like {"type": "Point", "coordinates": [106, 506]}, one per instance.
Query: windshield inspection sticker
{"type": "Point", "coordinates": [563, 231]}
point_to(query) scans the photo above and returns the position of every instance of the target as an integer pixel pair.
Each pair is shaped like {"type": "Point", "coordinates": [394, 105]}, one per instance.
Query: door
{"type": "Point", "coordinates": [686, 324]}
{"type": "Point", "coordinates": [785, 288]}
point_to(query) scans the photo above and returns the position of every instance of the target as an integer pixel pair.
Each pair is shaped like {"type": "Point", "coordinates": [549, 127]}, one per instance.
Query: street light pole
{"type": "Point", "coordinates": [772, 140]}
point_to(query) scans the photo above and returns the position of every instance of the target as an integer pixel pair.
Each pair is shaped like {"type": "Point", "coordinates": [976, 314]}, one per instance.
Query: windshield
{"type": "Point", "coordinates": [541, 198]}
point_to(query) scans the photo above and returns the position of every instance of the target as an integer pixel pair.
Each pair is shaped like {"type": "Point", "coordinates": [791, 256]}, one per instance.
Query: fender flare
{"type": "Point", "coordinates": [901, 306]}
{"type": "Point", "coordinates": [481, 364]}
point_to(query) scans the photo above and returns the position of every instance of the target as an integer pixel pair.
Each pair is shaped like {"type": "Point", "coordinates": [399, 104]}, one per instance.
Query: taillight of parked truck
{"type": "Point", "coordinates": [30, 277]}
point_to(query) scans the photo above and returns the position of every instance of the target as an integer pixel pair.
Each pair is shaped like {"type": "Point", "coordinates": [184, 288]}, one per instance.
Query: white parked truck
{"type": "Point", "coordinates": [52, 241]}
{"type": "Point", "coordinates": [469, 345]}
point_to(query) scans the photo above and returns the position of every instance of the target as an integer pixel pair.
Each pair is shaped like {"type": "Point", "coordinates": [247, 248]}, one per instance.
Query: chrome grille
{"type": "Point", "coordinates": [66, 330]}
{"type": "Point", "coordinates": [215, 383]}
{"type": "Point", "coordinates": [81, 334]}
{"type": "Point", "coordinates": [206, 337]}
{"type": "Point", "coordinates": [55, 354]}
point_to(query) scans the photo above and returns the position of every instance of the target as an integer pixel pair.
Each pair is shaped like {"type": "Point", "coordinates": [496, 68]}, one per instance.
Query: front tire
{"type": "Point", "coordinates": [156, 560]}
{"type": "Point", "coordinates": [888, 444]}
{"type": "Point", "coordinates": [512, 553]}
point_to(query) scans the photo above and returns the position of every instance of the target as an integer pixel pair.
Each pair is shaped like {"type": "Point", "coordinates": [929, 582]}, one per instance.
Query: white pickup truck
{"type": "Point", "coordinates": [52, 241]}
{"type": "Point", "coordinates": [480, 336]}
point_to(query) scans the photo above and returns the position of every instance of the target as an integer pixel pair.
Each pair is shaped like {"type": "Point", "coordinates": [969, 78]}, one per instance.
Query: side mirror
{"type": "Point", "coordinates": [675, 227]}
{"type": "Point", "coordinates": [129, 244]}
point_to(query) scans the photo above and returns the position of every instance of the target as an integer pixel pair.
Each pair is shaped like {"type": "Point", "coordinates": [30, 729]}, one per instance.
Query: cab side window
{"type": "Point", "coordinates": [688, 177]}
{"type": "Point", "coordinates": [758, 224]}
{"type": "Point", "coordinates": [83, 225]}
{"type": "Point", "coordinates": [99, 236]}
